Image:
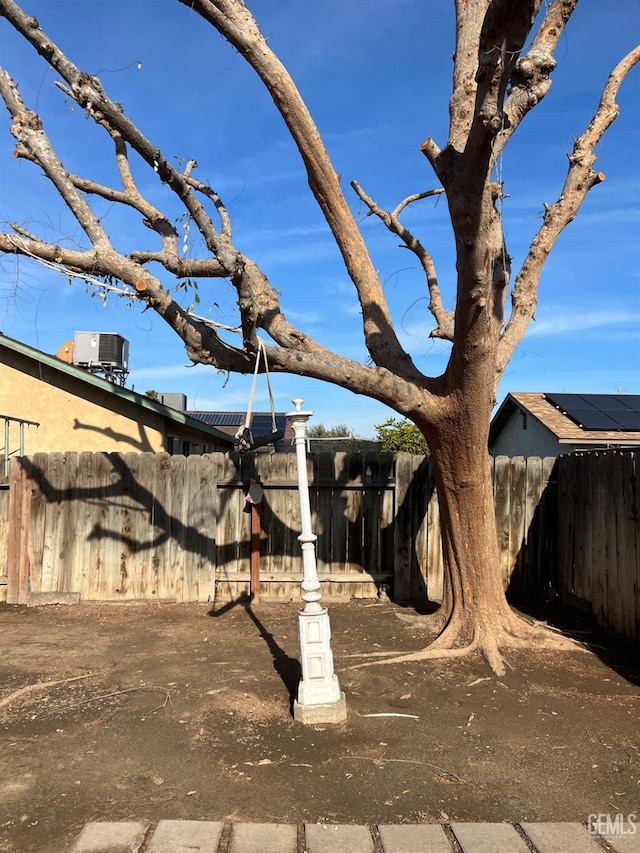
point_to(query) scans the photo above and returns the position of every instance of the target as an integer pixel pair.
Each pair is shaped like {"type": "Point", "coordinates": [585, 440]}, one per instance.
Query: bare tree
{"type": "Point", "coordinates": [504, 56]}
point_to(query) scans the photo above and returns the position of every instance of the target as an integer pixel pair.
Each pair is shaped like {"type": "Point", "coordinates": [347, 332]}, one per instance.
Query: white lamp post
{"type": "Point", "coordinates": [320, 699]}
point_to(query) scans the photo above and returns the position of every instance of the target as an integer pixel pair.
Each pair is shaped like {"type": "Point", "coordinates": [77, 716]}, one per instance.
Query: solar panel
{"type": "Point", "coordinates": [607, 402]}
{"type": "Point", "coordinates": [218, 419]}
{"type": "Point", "coordinates": [262, 424]}
{"type": "Point", "coordinates": [612, 412]}
{"type": "Point", "coordinates": [628, 420]}
{"type": "Point", "coordinates": [594, 419]}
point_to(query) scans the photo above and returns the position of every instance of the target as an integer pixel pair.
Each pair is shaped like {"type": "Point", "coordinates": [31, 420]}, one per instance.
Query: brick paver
{"type": "Point", "coordinates": [561, 838]}
{"type": "Point", "coordinates": [326, 838]}
{"type": "Point", "coordinates": [625, 843]}
{"type": "Point", "coordinates": [263, 838]}
{"type": "Point", "coordinates": [488, 838]}
{"type": "Point", "coordinates": [105, 837]}
{"type": "Point", "coordinates": [186, 836]}
{"type": "Point", "coordinates": [414, 838]}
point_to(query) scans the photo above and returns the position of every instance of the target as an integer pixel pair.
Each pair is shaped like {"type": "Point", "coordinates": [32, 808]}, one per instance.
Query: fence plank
{"type": "Point", "coordinates": [503, 500]}
{"type": "Point", "coordinates": [199, 544]}
{"type": "Point", "coordinates": [627, 597]}
{"type": "Point", "coordinates": [108, 583]}
{"type": "Point", "coordinates": [23, 549]}
{"type": "Point", "coordinates": [4, 536]}
{"type": "Point", "coordinates": [530, 563]}
{"type": "Point", "coordinates": [606, 536]}
{"type": "Point", "coordinates": [13, 531]}
{"type": "Point", "coordinates": [323, 494]}
{"type": "Point", "coordinates": [517, 520]}
{"type": "Point", "coordinates": [404, 533]}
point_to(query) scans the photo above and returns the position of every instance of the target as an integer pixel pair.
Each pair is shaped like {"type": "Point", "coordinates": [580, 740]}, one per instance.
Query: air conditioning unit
{"type": "Point", "coordinates": [102, 352]}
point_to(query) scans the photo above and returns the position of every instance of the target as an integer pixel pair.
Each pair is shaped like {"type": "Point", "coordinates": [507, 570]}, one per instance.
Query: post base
{"type": "Point", "coordinates": [330, 712]}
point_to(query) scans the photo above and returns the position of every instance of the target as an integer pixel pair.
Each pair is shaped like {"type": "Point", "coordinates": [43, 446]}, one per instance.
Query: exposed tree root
{"type": "Point", "coordinates": [435, 622]}
{"type": "Point", "coordinates": [40, 685]}
{"type": "Point", "coordinates": [516, 634]}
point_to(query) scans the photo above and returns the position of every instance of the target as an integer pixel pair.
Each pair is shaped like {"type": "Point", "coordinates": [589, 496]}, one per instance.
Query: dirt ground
{"type": "Point", "coordinates": [181, 712]}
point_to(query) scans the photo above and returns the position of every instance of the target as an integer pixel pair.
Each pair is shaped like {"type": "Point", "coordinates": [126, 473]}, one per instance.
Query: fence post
{"type": "Point", "coordinates": [18, 538]}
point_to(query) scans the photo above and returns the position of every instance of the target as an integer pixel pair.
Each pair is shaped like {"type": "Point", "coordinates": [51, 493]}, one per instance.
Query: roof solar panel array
{"type": "Point", "coordinates": [219, 419]}
{"type": "Point", "coordinates": [607, 412]}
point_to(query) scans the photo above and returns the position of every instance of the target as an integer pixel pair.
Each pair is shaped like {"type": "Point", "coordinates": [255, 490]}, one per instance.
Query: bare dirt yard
{"type": "Point", "coordinates": [183, 712]}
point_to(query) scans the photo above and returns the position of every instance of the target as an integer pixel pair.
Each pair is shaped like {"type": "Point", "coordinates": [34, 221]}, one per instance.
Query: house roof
{"type": "Point", "coordinates": [556, 418]}
{"type": "Point", "coordinates": [119, 392]}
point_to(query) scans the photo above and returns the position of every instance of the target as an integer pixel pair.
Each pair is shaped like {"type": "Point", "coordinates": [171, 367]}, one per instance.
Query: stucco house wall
{"type": "Point", "coordinates": [78, 411]}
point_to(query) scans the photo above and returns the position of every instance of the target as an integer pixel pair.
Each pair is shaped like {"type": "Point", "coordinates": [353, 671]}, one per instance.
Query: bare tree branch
{"type": "Point", "coordinates": [444, 319]}
{"type": "Point", "coordinates": [580, 179]}
{"type": "Point", "coordinates": [298, 353]}
{"type": "Point", "coordinates": [27, 129]}
{"type": "Point", "coordinates": [531, 78]}
{"type": "Point", "coordinates": [235, 22]}
{"type": "Point", "coordinates": [415, 197]}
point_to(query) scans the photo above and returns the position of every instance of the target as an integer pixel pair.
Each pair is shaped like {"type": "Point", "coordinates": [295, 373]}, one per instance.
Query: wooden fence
{"type": "Point", "coordinates": [599, 537]}
{"type": "Point", "coordinates": [159, 527]}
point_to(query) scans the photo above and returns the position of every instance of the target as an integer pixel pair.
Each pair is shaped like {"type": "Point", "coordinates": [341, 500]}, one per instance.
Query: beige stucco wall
{"type": "Point", "coordinates": [73, 415]}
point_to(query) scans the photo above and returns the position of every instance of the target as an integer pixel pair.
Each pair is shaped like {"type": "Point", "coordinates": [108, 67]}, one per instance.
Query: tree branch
{"type": "Point", "coordinates": [235, 22]}
{"type": "Point", "coordinates": [580, 179]}
{"type": "Point", "coordinates": [257, 300]}
{"type": "Point", "coordinates": [297, 353]}
{"type": "Point", "coordinates": [27, 129]}
{"type": "Point", "coordinates": [444, 319]}
{"type": "Point", "coordinates": [531, 77]}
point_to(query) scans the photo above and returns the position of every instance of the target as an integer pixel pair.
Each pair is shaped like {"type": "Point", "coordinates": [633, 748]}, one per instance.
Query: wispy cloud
{"type": "Point", "coordinates": [565, 321]}
{"type": "Point", "coordinates": [168, 371]}
{"type": "Point", "coordinates": [302, 318]}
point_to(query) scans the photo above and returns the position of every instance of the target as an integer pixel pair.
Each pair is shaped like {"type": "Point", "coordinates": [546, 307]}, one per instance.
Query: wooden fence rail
{"type": "Point", "coordinates": [158, 527]}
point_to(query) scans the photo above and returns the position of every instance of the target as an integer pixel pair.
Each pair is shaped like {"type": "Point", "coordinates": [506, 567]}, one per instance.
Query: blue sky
{"type": "Point", "coordinates": [377, 84]}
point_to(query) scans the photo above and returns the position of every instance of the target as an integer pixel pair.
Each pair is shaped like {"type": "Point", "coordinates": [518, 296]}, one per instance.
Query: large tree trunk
{"type": "Point", "coordinates": [474, 615]}
{"type": "Point", "coordinates": [474, 607]}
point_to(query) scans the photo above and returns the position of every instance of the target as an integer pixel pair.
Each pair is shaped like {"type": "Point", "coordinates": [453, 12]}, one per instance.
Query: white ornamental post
{"type": "Point", "coordinates": [320, 699]}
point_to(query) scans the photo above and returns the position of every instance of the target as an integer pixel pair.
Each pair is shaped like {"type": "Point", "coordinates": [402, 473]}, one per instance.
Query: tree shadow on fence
{"type": "Point", "coordinates": [125, 486]}
{"type": "Point", "coordinates": [145, 503]}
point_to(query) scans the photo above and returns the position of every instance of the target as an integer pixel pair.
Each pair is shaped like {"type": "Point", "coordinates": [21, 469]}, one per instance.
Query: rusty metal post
{"type": "Point", "coordinates": [254, 582]}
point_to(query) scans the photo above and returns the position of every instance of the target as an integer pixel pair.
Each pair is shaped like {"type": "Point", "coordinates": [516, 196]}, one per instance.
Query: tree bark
{"type": "Point", "coordinates": [474, 604]}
